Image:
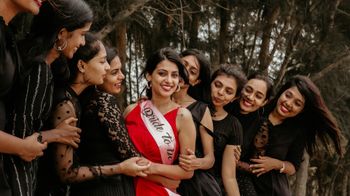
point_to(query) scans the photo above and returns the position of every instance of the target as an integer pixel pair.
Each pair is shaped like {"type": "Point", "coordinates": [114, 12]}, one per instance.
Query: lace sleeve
{"type": "Point", "coordinates": [112, 120]}
{"type": "Point", "coordinates": [67, 167]}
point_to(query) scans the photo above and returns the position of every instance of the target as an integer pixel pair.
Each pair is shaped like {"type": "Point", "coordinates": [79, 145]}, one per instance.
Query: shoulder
{"type": "Point", "coordinates": [129, 109]}
{"type": "Point", "coordinates": [183, 114]}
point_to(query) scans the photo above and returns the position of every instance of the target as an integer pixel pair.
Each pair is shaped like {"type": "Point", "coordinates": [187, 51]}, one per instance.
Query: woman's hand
{"type": "Point", "coordinates": [65, 133]}
{"type": "Point", "coordinates": [189, 161]}
{"type": "Point", "coordinates": [32, 148]}
{"type": "Point", "coordinates": [237, 152]}
{"type": "Point", "coordinates": [135, 166]}
{"type": "Point", "coordinates": [264, 164]}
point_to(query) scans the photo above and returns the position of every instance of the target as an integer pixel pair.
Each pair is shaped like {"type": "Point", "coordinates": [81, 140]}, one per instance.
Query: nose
{"type": "Point", "coordinates": [121, 76]}
{"type": "Point", "coordinates": [107, 67]}
{"type": "Point", "coordinates": [82, 41]}
{"type": "Point", "coordinates": [221, 91]}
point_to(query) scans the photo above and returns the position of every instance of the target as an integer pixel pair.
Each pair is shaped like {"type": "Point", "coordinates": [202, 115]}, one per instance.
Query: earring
{"type": "Point", "coordinates": [61, 47]}
{"type": "Point", "coordinates": [149, 85]}
{"type": "Point", "coordinates": [178, 88]}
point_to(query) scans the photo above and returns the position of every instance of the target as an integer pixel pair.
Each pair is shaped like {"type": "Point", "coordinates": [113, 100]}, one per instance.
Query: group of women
{"type": "Point", "coordinates": [196, 133]}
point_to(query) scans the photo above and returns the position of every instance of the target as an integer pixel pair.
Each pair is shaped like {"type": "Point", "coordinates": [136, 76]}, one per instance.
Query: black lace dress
{"type": "Point", "coordinates": [203, 182]}
{"type": "Point", "coordinates": [9, 61]}
{"type": "Point", "coordinates": [227, 131]}
{"type": "Point", "coordinates": [104, 141]}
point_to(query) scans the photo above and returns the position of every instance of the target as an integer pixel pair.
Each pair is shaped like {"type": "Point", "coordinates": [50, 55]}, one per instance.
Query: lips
{"type": "Point", "coordinates": [39, 2]}
{"type": "Point", "coordinates": [247, 103]}
{"type": "Point", "coordinates": [284, 109]}
{"type": "Point", "coordinates": [166, 87]}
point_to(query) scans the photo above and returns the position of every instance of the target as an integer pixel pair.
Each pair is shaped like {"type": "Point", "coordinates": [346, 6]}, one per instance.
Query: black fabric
{"type": "Point", "coordinates": [104, 141]}
{"type": "Point", "coordinates": [286, 142]}
{"type": "Point", "coordinates": [32, 106]}
{"type": "Point", "coordinates": [202, 183]}
{"type": "Point", "coordinates": [250, 124]}
{"type": "Point", "coordinates": [48, 180]}
{"type": "Point", "coordinates": [227, 131]}
{"type": "Point", "coordinates": [9, 62]}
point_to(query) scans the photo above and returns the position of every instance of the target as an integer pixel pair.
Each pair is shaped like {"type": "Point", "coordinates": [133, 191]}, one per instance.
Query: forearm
{"type": "Point", "coordinates": [174, 172]}
{"type": "Point", "coordinates": [10, 144]}
{"type": "Point", "coordinates": [285, 167]}
{"type": "Point", "coordinates": [207, 162]}
{"type": "Point", "coordinates": [50, 136]}
{"type": "Point", "coordinates": [231, 186]}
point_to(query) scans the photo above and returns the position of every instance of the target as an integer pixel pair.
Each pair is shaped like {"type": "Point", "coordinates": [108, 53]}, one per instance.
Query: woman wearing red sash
{"type": "Point", "coordinates": [159, 128]}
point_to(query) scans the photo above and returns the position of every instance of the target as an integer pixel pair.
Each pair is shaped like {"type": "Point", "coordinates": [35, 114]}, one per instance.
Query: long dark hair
{"type": "Point", "coordinates": [315, 117]}
{"type": "Point", "coordinates": [159, 56]}
{"type": "Point", "coordinates": [200, 91]}
{"type": "Point", "coordinates": [53, 16]}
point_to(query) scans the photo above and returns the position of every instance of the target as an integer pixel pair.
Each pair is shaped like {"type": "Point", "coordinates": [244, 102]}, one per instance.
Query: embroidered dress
{"type": "Point", "coordinates": [203, 182]}
{"type": "Point", "coordinates": [146, 144]}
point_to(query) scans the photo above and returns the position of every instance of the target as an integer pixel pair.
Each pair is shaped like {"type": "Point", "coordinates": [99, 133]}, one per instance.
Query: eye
{"type": "Point", "coordinates": [299, 104]}
{"type": "Point", "coordinates": [175, 75]}
{"type": "Point", "coordinates": [248, 89]}
{"type": "Point", "coordinates": [259, 96]}
{"type": "Point", "coordinates": [229, 91]}
{"type": "Point", "coordinates": [115, 72]}
{"type": "Point", "coordinates": [162, 73]}
{"type": "Point", "coordinates": [217, 84]}
{"type": "Point", "coordinates": [288, 94]}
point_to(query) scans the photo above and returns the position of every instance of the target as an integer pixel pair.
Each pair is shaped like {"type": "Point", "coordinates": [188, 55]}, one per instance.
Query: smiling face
{"type": "Point", "coordinates": [223, 90]}
{"type": "Point", "coordinates": [95, 69]}
{"type": "Point", "coordinates": [75, 39]}
{"type": "Point", "coordinates": [113, 81]}
{"type": "Point", "coordinates": [31, 6]}
{"type": "Point", "coordinates": [253, 96]}
{"type": "Point", "coordinates": [193, 68]}
{"type": "Point", "coordinates": [290, 103]}
{"type": "Point", "coordinates": [164, 79]}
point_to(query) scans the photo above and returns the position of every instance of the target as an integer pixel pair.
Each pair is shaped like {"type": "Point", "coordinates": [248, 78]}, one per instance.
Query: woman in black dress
{"type": "Point", "coordinates": [247, 109]}
{"type": "Point", "coordinates": [58, 30]}
{"type": "Point", "coordinates": [226, 86]}
{"type": "Point", "coordinates": [105, 140]}
{"type": "Point", "coordinates": [291, 122]}
{"type": "Point", "coordinates": [202, 182]}
{"type": "Point", "coordinates": [26, 148]}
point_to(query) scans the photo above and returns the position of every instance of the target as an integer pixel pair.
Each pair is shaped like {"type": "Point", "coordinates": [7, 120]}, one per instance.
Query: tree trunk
{"type": "Point", "coordinates": [224, 21]}
{"type": "Point", "coordinates": [194, 26]}
{"type": "Point", "coordinates": [121, 41]}
{"type": "Point", "coordinates": [271, 15]}
{"type": "Point", "coordinates": [301, 176]}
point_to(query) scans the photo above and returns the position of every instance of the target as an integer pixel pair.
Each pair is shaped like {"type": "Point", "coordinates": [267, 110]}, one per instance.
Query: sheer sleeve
{"type": "Point", "coordinates": [112, 120]}
{"type": "Point", "coordinates": [67, 167]}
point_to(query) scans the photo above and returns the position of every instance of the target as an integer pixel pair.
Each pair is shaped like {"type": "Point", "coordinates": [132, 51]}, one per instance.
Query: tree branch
{"type": "Point", "coordinates": [330, 67]}
{"type": "Point", "coordinates": [134, 6]}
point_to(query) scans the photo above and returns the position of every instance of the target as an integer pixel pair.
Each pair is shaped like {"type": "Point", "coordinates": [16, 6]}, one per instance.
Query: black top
{"type": "Point", "coordinates": [9, 61]}
{"type": "Point", "coordinates": [197, 110]}
{"type": "Point", "coordinates": [104, 139]}
{"type": "Point", "coordinates": [227, 131]}
{"type": "Point", "coordinates": [286, 142]}
{"type": "Point", "coordinates": [32, 106]}
{"type": "Point", "coordinates": [250, 124]}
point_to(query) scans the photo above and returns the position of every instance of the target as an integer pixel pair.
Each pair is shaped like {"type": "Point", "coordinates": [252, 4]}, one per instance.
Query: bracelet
{"type": "Point", "coordinates": [283, 167]}
{"type": "Point", "coordinates": [40, 137]}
